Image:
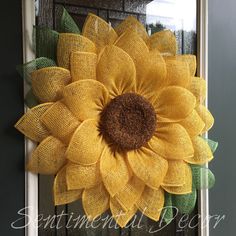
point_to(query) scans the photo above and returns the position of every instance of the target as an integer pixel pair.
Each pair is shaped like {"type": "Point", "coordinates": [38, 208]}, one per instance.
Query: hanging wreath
{"type": "Point", "coordinates": [120, 119]}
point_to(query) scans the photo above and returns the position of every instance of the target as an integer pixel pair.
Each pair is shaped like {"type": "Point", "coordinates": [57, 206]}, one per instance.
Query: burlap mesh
{"type": "Point", "coordinates": [61, 194]}
{"type": "Point", "coordinates": [48, 83]}
{"type": "Point", "coordinates": [85, 98]}
{"type": "Point", "coordinates": [193, 124]}
{"type": "Point", "coordinates": [83, 65]}
{"type": "Point", "coordinates": [130, 193]}
{"type": "Point", "coordinates": [116, 64]}
{"type": "Point", "coordinates": [174, 103]}
{"type": "Point", "coordinates": [78, 176]}
{"type": "Point", "coordinates": [172, 142]}
{"type": "Point", "coordinates": [95, 201]}
{"type": "Point", "coordinates": [60, 121]}
{"type": "Point", "coordinates": [98, 31]}
{"type": "Point", "coordinates": [68, 43]}
{"type": "Point", "coordinates": [114, 171]}
{"type": "Point", "coordinates": [174, 175]}
{"type": "Point", "coordinates": [148, 166]}
{"type": "Point", "coordinates": [131, 23]}
{"type": "Point", "coordinates": [202, 152]}
{"type": "Point", "coordinates": [121, 217]}
{"type": "Point", "coordinates": [184, 189]}
{"type": "Point", "coordinates": [164, 41]}
{"type": "Point", "coordinates": [151, 202]}
{"type": "Point", "coordinates": [30, 124]}
{"type": "Point", "coordinates": [206, 116]}
{"type": "Point", "coordinates": [48, 157]}
{"type": "Point", "coordinates": [86, 145]}
{"type": "Point", "coordinates": [198, 88]}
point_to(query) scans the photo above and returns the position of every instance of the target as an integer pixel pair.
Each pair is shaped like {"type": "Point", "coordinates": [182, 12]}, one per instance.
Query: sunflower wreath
{"type": "Point", "coordinates": [120, 119]}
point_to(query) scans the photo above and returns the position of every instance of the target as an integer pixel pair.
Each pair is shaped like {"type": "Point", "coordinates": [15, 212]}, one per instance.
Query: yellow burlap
{"type": "Point", "coordinates": [83, 65]}
{"type": "Point", "coordinates": [206, 116]}
{"type": "Point", "coordinates": [95, 201]}
{"type": "Point", "coordinates": [164, 41]}
{"type": "Point", "coordinates": [98, 31]}
{"type": "Point", "coordinates": [148, 166]}
{"type": "Point", "coordinates": [60, 121]}
{"type": "Point", "coordinates": [131, 23]}
{"type": "Point", "coordinates": [30, 124]}
{"type": "Point", "coordinates": [68, 43]}
{"type": "Point", "coordinates": [130, 194]}
{"type": "Point", "coordinates": [184, 189]}
{"type": "Point", "coordinates": [151, 202]}
{"type": "Point", "coordinates": [78, 176]}
{"type": "Point", "coordinates": [198, 88]}
{"type": "Point", "coordinates": [174, 103]}
{"type": "Point", "coordinates": [202, 152]}
{"type": "Point", "coordinates": [121, 217]}
{"type": "Point", "coordinates": [114, 171]}
{"type": "Point", "coordinates": [193, 124]}
{"type": "Point", "coordinates": [85, 98]}
{"type": "Point", "coordinates": [48, 83]}
{"type": "Point", "coordinates": [172, 142]}
{"type": "Point", "coordinates": [48, 157]}
{"type": "Point", "coordinates": [116, 71]}
{"type": "Point", "coordinates": [175, 176]}
{"type": "Point", "coordinates": [61, 194]}
{"type": "Point", "coordinates": [86, 144]}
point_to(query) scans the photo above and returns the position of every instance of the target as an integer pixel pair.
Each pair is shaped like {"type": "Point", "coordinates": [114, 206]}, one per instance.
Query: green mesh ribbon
{"type": "Point", "coordinates": [30, 99]}
{"type": "Point", "coordinates": [167, 212]}
{"type": "Point", "coordinates": [67, 24]}
{"type": "Point", "coordinates": [212, 144]}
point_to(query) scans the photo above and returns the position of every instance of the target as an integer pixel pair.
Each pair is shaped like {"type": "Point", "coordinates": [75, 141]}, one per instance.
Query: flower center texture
{"type": "Point", "coordinates": [128, 121]}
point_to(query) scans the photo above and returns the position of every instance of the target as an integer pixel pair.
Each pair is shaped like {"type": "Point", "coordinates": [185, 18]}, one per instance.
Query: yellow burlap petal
{"type": "Point", "coordinates": [120, 216]}
{"type": "Point", "coordinates": [130, 194]}
{"type": "Point", "coordinates": [86, 144]}
{"type": "Point", "coordinates": [131, 23]}
{"type": "Point", "coordinates": [174, 103]}
{"type": "Point", "coordinates": [134, 45]}
{"type": "Point", "coordinates": [60, 121]}
{"type": "Point", "coordinates": [114, 171]}
{"type": "Point", "coordinates": [198, 88]}
{"type": "Point", "coordinates": [151, 202]}
{"type": "Point", "coordinates": [85, 98]}
{"type": "Point", "coordinates": [151, 74]}
{"type": "Point", "coordinates": [164, 41]}
{"type": "Point", "coordinates": [193, 124]}
{"type": "Point", "coordinates": [175, 176]}
{"type": "Point", "coordinates": [98, 31]}
{"type": "Point", "coordinates": [172, 142]}
{"type": "Point", "coordinates": [148, 166]}
{"type": "Point", "coordinates": [177, 72]}
{"type": "Point", "coordinates": [206, 116]}
{"type": "Point", "coordinates": [78, 176]}
{"type": "Point", "coordinates": [30, 124]}
{"type": "Point", "coordinates": [83, 65]}
{"type": "Point", "coordinates": [184, 189]}
{"type": "Point", "coordinates": [68, 43]}
{"type": "Point", "coordinates": [95, 201]}
{"type": "Point", "coordinates": [189, 59]}
{"type": "Point", "coordinates": [48, 157]}
{"type": "Point", "coordinates": [61, 194]}
{"type": "Point", "coordinates": [48, 83]}
{"type": "Point", "coordinates": [116, 71]}
{"type": "Point", "coordinates": [202, 152]}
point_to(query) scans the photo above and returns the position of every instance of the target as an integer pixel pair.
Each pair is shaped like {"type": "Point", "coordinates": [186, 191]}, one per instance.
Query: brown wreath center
{"type": "Point", "coordinates": [128, 121]}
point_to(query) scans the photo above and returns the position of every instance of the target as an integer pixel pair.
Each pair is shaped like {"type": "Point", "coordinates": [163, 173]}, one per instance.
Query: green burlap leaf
{"type": "Point", "coordinates": [26, 69]}
{"type": "Point", "coordinates": [67, 24]}
{"type": "Point", "coordinates": [185, 203]}
{"type": "Point", "coordinates": [167, 212]}
{"type": "Point", "coordinates": [203, 178]}
{"type": "Point", "coordinates": [30, 99]}
{"type": "Point", "coordinates": [212, 144]}
{"type": "Point", "coordinates": [45, 41]}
